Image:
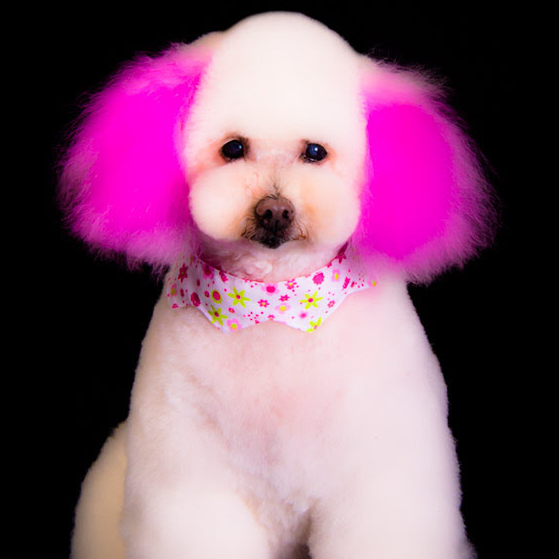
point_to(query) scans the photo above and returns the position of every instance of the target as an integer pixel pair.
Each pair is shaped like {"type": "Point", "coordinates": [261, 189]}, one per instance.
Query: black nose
{"type": "Point", "coordinates": [274, 215]}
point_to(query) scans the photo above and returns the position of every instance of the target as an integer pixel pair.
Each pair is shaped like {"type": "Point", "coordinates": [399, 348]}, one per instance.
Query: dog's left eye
{"type": "Point", "coordinates": [233, 149]}
{"type": "Point", "coordinates": [314, 153]}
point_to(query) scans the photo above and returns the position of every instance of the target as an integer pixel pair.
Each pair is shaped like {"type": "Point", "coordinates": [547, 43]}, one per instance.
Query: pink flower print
{"type": "Point", "coordinates": [233, 324]}
{"type": "Point", "coordinates": [263, 303]}
{"type": "Point", "coordinates": [318, 278]}
{"type": "Point", "coordinates": [284, 307]}
{"type": "Point", "coordinates": [346, 283]}
{"type": "Point", "coordinates": [195, 300]}
{"type": "Point", "coordinates": [331, 303]}
{"type": "Point", "coordinates": [207, 293]}
{"type": "Point", "coordinates": [341, 257]}
{"type": "Point", "coordinates": [291, 284]}
{"type": "Point", "coordinates": [271, 317]}
{"type": "Point", "coordinates": [208, 271]}
{"type": "Point", "coordinates": [336, 275]}
{"type": "Point", "coordinates": [284, 298]}
{"type": "Point", "coordinates": [223, 276]}
{"type": "Point", "coordinates": [182, 272]}
{"type": "Point", "coordinates": [269, 288]}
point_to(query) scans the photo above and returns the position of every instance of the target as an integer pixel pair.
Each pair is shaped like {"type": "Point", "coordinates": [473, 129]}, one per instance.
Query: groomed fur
{"type": "Point", "coordinates": [425, 204]}
{"type": "Point", "coordinates": [122, 184]}
{"type": "Point", "coordinates": [424, 201]}
{"type": "Point", "coordinates": [253, 443]}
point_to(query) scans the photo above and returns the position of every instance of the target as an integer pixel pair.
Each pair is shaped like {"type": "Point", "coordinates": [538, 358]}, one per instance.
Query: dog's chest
{"type": "Point", "coordinates": [273, 391]}
{"type": "Point", "coordinates": [267, 383]}
{"type": "Point", "coordinates": [269, 380]}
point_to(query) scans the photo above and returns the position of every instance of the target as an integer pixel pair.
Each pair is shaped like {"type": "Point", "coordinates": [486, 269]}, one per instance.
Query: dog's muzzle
{"type": "Point", "coordinates": [274, 217]}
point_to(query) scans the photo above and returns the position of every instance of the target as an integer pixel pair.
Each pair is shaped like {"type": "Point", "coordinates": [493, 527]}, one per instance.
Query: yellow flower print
{"type": "Point", "coordinates": [238, 297]}
{"type": "Point", "coordinates": [311, 300]}
{"type": "Point", "coordinates": [217, 316]}
{"type": "Point", "coordinates": [314, 325]}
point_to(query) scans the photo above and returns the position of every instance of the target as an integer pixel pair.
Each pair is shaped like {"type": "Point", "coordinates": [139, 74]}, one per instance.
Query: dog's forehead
{"type": "Point", "coordinates": [280, 75]}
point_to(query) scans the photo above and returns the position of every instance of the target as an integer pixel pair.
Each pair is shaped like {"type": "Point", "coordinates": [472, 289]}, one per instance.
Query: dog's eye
{"type": "Point", "coordinates": [234, 149]}
{"type": "Point", "coordinates": [314, 153]}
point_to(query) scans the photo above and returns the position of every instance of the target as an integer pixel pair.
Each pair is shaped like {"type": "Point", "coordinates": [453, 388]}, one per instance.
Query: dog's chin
{"type": "Point", "coordinates": [257, 260]}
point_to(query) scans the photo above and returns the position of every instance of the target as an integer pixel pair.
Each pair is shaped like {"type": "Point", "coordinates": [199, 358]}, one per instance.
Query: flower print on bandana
{"type": "Point", "coordinates": [269, 288]}
{"type": "Point", "coordinates": [182, 272]}
{"type": "Point", "coordinates": [231, 303]}
{"type": "Point", "coordinates": [238, 297]}
{"type": "Point", "coordinates": [282, 308]}
{"type": "Point", "coordinates": [311, 300]}
{"type": "Point", "coordinates": [217, 316]}
{"type": "Point", "coordinates": [318, 278]}
{"type": "Point", "coordinates": [314, 325]}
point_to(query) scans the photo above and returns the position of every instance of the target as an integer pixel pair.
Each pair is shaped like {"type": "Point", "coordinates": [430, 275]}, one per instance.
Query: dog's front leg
{"type": "Point", "coordinates": [404, 502]}
{"type": "Point", "coordinates": [179, 503]}
{"type": "Point", "coordinates": [180, 493]}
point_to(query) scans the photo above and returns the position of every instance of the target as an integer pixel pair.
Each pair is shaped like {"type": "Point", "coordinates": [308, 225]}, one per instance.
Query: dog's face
{"type": "Point", "coordinates": [275, 138]}
{"type": "Point", "coordinates": [275, 145]}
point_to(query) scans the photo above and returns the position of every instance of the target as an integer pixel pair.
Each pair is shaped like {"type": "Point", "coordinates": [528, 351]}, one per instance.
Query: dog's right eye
{"type": "Point", "coordinates": [232, 150]}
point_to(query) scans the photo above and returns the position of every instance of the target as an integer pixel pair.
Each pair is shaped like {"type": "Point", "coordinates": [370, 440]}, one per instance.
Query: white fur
{"type": "Point", "coordinates": [248, 445]}
{"type": "Point", "coordinates": [269, 96]}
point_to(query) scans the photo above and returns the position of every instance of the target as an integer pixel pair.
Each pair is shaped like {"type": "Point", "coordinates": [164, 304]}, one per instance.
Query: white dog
{"type": "Point", "coordinates": [287, 400]}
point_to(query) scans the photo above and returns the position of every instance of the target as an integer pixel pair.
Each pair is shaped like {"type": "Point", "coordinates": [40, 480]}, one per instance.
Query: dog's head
{"type": "Point", "coordinates": [275, 137]}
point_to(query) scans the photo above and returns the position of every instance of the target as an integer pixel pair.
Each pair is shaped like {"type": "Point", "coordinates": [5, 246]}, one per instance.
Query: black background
{"type": "Point", "coordinates": [76, 323]}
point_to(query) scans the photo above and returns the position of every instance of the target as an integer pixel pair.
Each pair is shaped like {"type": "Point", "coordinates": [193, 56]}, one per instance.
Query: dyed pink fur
{"type": "Point", "coordinates": [341, 440]}
{"type": "Point", "coordinates": [425, 202]}
{"type": "Point", "coordinates": [134, 198]}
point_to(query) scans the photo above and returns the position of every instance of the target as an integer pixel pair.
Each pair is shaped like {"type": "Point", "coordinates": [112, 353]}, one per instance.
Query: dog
{"type": "Point", "coordinates": [287, 400]}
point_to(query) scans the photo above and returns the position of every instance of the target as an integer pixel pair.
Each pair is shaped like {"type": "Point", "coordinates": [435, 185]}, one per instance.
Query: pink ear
{"type": "Point", "coordinates": [425, 204]}
{"type": "Point", "coordinates": [123, 181]}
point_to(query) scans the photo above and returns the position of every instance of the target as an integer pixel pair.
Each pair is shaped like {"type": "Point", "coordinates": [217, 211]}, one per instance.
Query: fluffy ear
{"type": "Point", "coordinates": [122, 181]}
{"type": "Point", "coordinates": [425, 202]}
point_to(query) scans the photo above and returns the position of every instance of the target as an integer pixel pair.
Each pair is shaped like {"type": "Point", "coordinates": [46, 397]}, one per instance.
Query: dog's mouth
{"type": "Point", "coordinates": [270, 240]}
{"type": "Point", "coordinates": [272, 223]}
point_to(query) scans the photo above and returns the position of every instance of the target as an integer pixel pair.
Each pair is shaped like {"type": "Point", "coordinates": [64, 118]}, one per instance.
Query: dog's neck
{"type": "Point", "coordinates": [249, 260]}
{"type": "Point", "coordinates": [232, 302]}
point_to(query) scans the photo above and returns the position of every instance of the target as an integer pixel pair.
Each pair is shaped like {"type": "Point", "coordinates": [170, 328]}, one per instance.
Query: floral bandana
{"type": "Point", "coordinates": [231, 303]}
